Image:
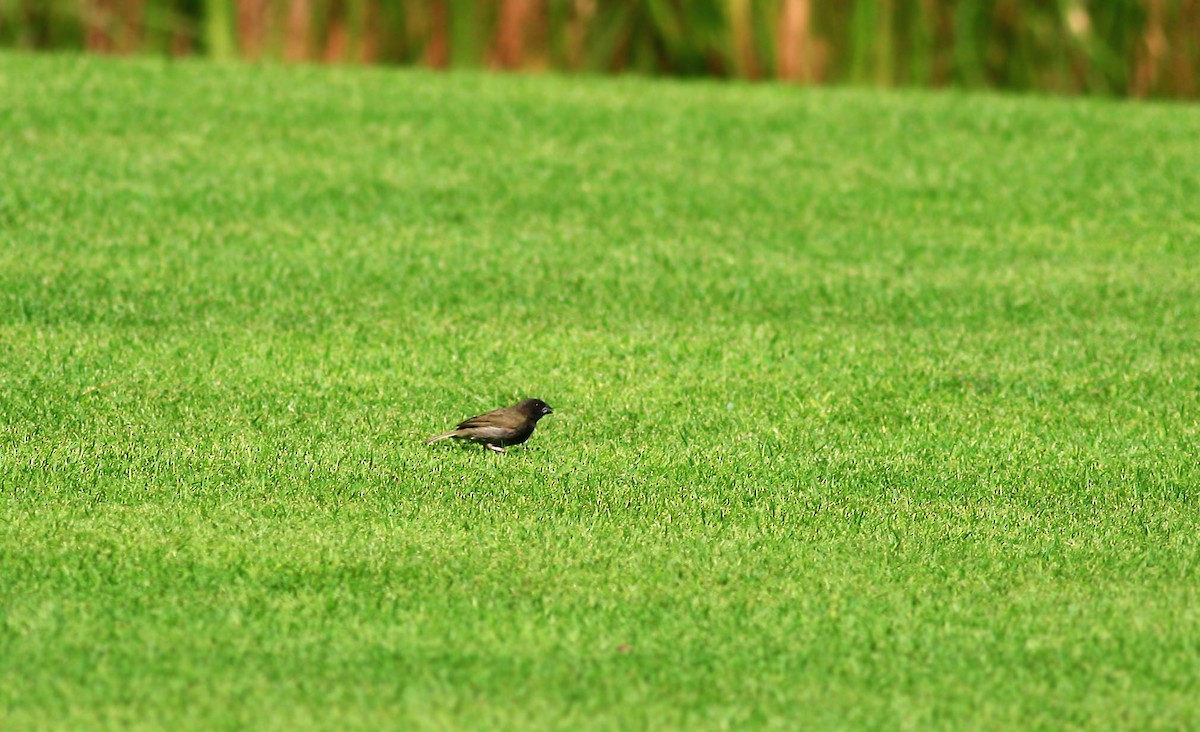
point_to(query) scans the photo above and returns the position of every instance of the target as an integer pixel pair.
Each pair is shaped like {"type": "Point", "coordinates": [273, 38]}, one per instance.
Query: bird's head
{"type": "Point", "coordinates": [535, 408]}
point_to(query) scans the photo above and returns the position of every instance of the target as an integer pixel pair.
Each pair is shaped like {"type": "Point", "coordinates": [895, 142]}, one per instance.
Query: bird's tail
{"type": "Point", "coordinates": [444, 435]}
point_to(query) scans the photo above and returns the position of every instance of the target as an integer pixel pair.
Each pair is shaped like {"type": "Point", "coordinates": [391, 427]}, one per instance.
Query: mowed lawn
{"type": "Point", "coordinates": [873, 410]}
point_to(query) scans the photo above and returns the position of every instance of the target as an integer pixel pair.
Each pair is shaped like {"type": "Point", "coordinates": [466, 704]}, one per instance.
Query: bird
{"type": "Point", "coordinates": [500, 428]}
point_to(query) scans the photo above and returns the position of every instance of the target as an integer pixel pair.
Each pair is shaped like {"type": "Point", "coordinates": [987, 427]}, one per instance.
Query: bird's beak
{"type": "Point", "coordinates": [547, 410]}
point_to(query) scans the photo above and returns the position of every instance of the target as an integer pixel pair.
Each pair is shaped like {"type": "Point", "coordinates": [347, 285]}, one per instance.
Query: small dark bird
{"type": "Point", "coordinates": [500, 428]}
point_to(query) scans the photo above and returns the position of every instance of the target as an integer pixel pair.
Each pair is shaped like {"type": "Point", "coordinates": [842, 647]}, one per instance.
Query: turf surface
{"type": "Point", "coordinates": [872, 410]}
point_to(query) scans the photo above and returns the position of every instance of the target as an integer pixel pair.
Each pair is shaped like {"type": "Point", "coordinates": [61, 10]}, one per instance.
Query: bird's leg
{"type": "Point", "coordinates": [495, 448]}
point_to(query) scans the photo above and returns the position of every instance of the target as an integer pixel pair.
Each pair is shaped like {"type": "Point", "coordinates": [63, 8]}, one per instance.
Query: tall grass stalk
{"type": "Point", "coordinates": [1135, 47]}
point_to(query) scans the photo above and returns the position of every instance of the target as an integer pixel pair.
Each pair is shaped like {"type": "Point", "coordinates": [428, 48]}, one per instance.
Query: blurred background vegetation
{"type": "Point", "coordinates": [1143, 48]}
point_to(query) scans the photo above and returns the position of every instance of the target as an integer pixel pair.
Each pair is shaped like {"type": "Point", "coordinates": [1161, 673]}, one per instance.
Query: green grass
{"type": "Point", "coordinates": [872, 410]}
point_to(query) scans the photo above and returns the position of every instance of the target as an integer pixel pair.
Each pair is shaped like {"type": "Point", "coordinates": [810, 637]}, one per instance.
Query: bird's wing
{"type": "Point", "coordinates": [499, 418]}
{"type": "Point", "coordinates": [484, 433]}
